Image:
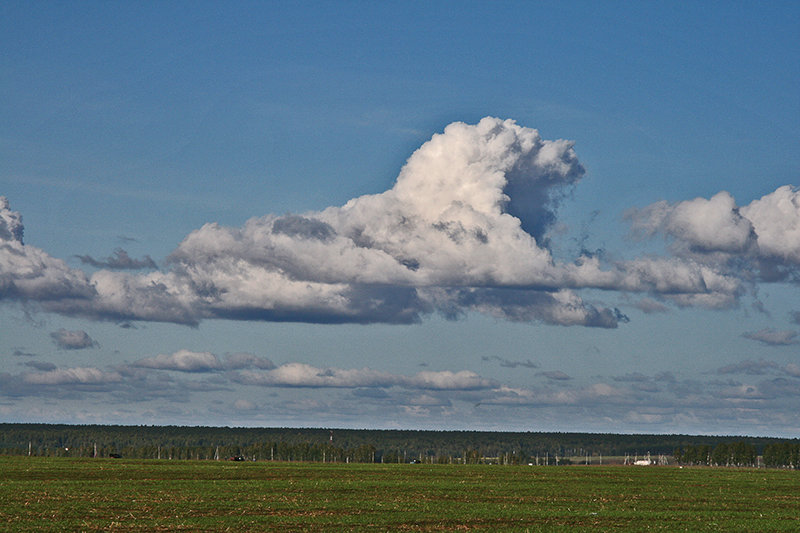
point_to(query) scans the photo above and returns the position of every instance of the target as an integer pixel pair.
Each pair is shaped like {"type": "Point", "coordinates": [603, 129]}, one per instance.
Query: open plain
{"type": "Point", "coordinates": [79, 494]}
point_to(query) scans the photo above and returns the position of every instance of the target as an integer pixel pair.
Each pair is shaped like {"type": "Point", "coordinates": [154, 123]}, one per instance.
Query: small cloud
{"type": "Point", "coordinates": [644, 418]}
{"type": "Point", "coordinates": [372, 393]}
{"type": "Point", "coordinates": [509, 363]}
{"type": "Point", "coordinates": [753, 368]}
{"type": "Point", "coordinates": [780, 388]}
{"type": "Point", "coordinates": [446, 380]}
{"type": "Point", "coordinates": [237, 361]}
{"type": "Point", "coordinates": [41, 365]}
{"type": "Point", "coordinates": [643, 383]}
{"type": "Point", "coordinates": [650, 306]}
{"type": "Point", "coordinates": [632, 378]}
{"type": "Point", "coordinates": [72, 376]}
{"type": "Point", "coordinates": [795, 316]}
{"type": "Point", "coordinates": [120, 260]}
{"type": "Point", "coordinates": [555, 375]}
{"type": "Point", "coordinates": [592, 351]}
{"type": "Point", "coordinates": [772, 337]}
{"type": "Point", "coordinates": [666, 377]}
{"type": "Point", "coordinates": [11, 228]}
{"type": "Point", "coordinates": [645, 387]}
{"type": "Point", "coordinates": [73, 340]}
{"type": "Point", "coordinates": [244, 405]}
{"type": "Point", "coordinates": [182, 361]}
{"type": "Point", "coordinates": [188, 361]}
{"type": "Point", "coordinates": [302, 227]}
{"type": "Point", "coordinates": [428, 400]}
{"type": "Point", "coordinates": [19, 352]}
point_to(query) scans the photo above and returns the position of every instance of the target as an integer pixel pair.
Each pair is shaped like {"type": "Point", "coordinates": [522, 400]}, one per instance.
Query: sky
{"type": "Point", "coordinates": [524, 216]}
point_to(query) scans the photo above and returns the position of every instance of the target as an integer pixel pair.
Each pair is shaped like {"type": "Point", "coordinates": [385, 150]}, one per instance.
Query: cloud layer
{"type": "Point", "coordinates": [464, 229]}
{"type": "Point", "coordinates": [759, 394]}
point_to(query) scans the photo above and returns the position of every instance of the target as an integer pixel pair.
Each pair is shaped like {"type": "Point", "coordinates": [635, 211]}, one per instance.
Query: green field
{"type": "Point", "coordinates": [51, 494]}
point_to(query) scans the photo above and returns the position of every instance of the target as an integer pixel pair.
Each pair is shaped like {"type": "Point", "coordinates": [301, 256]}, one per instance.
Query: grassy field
{"type": "Point", "coordinates": [40, 494]}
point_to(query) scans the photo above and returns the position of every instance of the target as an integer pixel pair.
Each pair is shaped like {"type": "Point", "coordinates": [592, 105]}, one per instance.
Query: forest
{"type": "Point", "coordinates": [389, 446]}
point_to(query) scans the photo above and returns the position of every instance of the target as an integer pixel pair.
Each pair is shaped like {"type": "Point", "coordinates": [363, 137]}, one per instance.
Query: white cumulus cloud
{"type": "Point", "coordinates": [776, 222]}
{"type": "Point", "coordinates": [463, 229]}
{"type": "Point", "coordinates": [758, 240]}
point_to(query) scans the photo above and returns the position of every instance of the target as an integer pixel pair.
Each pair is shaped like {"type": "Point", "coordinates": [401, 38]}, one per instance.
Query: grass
{"type": "Point", "coordinates": [51, 494]}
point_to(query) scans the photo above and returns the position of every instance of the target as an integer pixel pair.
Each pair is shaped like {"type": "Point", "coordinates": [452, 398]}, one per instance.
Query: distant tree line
{"type": "Point", "coordinates": [388, 446]}
{"type": "Point", "coordinates": [782, 454]}
{"type": "Point", "coordinates": [737, 453]}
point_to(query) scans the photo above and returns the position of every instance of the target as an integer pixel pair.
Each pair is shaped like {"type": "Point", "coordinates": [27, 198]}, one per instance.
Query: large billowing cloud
{"type": "Point", "coordinates": [448, 235]}
{"type": "Point", "coordinates": [463, 229]}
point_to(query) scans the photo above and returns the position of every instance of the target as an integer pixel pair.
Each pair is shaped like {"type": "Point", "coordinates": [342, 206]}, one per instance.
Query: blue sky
{"type": "Point", "coordinates": [358, 214]}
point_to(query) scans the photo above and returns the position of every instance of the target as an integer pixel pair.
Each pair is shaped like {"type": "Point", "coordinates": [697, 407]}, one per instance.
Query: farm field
{"type": "Point", "coordinates": [73, 494]}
